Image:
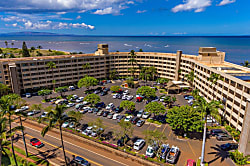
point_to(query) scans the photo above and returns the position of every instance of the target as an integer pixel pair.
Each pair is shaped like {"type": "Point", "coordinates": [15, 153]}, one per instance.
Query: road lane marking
{"type": "Point", "coordinates": [81, 147]}
{"type": "Point", "coordinates": [65, 150]}
{"type": "Point", "coordinates": [191, 148]}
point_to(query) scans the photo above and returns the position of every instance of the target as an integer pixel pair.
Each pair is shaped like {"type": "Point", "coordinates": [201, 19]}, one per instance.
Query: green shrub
{"type": "Point", "coordinates": [238, 158]}
{"type": "Point", "coordinates": [154, 121]}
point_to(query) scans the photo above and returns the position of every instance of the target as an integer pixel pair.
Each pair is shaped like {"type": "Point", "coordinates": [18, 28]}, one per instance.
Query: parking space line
{"type": "Point", "coordinates": [148, 126]}
{"type": "Point", "coordinates": [164, 128]}
{"type": "Point", "coordinates": [169, 133]}
{"type": "Point", "coordinates": [191, 148]}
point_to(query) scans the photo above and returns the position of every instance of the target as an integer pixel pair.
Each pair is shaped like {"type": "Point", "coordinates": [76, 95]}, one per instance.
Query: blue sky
{"type": "Point", "coordinates": [127, 17]}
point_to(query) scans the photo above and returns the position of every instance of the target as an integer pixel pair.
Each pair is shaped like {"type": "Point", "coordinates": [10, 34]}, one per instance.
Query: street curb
{"type": "Point", "coordinates": [97, 145]}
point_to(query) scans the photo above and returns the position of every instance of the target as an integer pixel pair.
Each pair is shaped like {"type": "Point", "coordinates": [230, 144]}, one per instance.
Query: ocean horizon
{"type": "Point", "coordinates": [237, 48]}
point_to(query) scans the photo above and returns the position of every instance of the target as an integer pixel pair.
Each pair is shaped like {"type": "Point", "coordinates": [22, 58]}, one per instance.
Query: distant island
{"type": "Point", "coordinates": [28, 33]}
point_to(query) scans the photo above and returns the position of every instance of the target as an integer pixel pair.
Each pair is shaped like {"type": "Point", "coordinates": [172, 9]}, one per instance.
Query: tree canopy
{"type": "Point", "coordinates": [115, 88]}
{"type": "Point", "coordinates": [87, 82]}
{"type": "Point", "coordinates": [25, 50]}
{"type": "Point", "coordinates": [44, 92]}
{"type": "Point", "coordinates": [146, 91]}
{"type": "Point", "coordinates": [185, 118]}
{"type": "Point", "coordinates": [155, 108]}
{"type": "Point", "coordinates": [128, 105]}
{"type": "Point", "coordinates": [92, 98]}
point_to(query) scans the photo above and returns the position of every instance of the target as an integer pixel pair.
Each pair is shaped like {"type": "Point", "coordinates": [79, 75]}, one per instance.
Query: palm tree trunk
{"type": "Point", "coordinates": [0, 151]}
{"type": "Point", "coordinates": [24, 142]}
{"type": "Point", "coordinates": [60, 127]}
{"type": "Point", "coordinates": [53, 82]}
{"type": "Point", "coordinates": [12, 146]}
{"type": "Point", "coordinates": [204, 141]}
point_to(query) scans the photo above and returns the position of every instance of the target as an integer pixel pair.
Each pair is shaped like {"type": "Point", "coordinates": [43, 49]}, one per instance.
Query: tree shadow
{"type": "Point", "coordinates": [218, 153]}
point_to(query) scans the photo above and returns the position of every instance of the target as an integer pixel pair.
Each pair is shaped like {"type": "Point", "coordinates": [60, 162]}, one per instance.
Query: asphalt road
{"type": "Point", "coordinates": [54, 151]}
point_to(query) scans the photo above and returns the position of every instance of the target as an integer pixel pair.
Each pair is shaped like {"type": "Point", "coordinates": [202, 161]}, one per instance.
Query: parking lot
{"type": "Point", "coordinates": [190, 149]}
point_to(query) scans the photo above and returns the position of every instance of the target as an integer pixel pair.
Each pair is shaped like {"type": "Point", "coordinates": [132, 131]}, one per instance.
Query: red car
{"type": "Point", "coordinates": [36, 142]}
{"type": "Point", "coordinates": [139, 99]}
{"type": "Point", "coordinates": [191, 162]}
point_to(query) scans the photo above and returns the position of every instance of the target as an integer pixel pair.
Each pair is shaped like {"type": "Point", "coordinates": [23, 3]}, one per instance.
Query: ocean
{"type": "Point", "coordinates": [237, 48]}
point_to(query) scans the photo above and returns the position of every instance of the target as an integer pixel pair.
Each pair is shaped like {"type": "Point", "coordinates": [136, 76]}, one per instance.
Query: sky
{"type": "Point", "coordinates": [127, 17]}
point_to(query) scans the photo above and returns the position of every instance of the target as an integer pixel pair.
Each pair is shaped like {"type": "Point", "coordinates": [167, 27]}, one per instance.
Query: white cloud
{"type": "Point", "coordinates": [57, 6]}
{"type": "Point", "coordinates": [225, 2]}
{"type": "Point", "coordinates": [61, 12]}
{"type": "Point", "coordinates": [82, 25]}
{"type": "Point", "coordinates": [14, 25]}
{"type": "Point", "coordinates": [141, 11]}
{"type": "Point", "coordinates": [108, 10]}
{"type": "Point", "coordinates": [78, 17]}
{"type": "Point", "coordinates": [179, 33]}
{"type": "Point", "coordinates": [196, 5]}
{"type": "Point", "coordinates": [10, 18]}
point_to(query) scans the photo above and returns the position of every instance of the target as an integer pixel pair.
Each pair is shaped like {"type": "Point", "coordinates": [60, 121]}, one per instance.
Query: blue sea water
{"type": "Point", "coordinates": [237, 48]}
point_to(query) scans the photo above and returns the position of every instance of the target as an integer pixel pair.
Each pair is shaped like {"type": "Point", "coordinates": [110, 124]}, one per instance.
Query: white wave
{"type": "Point", "coordinates": [166, 45]}
{"type": "Point", "coordinates": [136, 47]}
{"type": "Point", "coordinates": [84, 43]}
{"type": "Point", "coordinates": [127, 45]}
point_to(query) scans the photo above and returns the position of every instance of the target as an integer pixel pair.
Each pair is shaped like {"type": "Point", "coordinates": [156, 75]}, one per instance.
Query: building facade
{"type": "Point", "coordinates": [32, 73]}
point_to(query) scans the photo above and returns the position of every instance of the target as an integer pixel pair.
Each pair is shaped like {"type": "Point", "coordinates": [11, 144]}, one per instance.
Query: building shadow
{"type": "Point", "coordinates": [219, 154]}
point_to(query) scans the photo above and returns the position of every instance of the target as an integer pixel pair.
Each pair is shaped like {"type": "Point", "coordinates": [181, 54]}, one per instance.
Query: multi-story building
{"type": "Point", "coordinates": [32, 73]}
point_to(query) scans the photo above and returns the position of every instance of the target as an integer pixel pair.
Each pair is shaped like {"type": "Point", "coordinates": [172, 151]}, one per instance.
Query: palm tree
{"type": "Point", "coordinates": [195, 93]}
{"type": "Point", "coordinates": [86, 66]}
{"type": "Point", "coordinates": [6, 102]}
{"type": "Point", "coordinates": [190, 77]}
{"type": "Point", "coordinates": [113, 74]}
{"type": "Point", "coordinates": [57, 116]}
{"type": "Point", "coordinates": [39, 47]}
{"type": "Point", "coordinates": [12, 44]}
{"type": "Point", "coordinates": [6, 44]}
{"type": "Point", "coordinates": [52, 66]}
{"type": "Point", "coordinates": [213, 79]}
{"type": "Point", "coordinates": [245, 64]}
{"type": "Point", "coordinates": [4, 89]}
{"type": "Point", "coordinates": [132, 61]}
{"type": "Point", "coordinates": [206, 109]}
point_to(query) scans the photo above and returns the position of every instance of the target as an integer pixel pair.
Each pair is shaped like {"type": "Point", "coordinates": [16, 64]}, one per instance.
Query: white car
{"type": "Point", "coordinates": [128, 118]}
{"type": "Point", "coordinates": [146, 115]}
{"type": "Point", "coordinates": [80, 99]}
{"type": "Point", "coordinates": [31, 113]}
{"type": "Point", "coordinates": [44, 114]}
{"type": "Point", "coordinates": [139, 144]}
{"type": "Point", "coordinates": [110, 106]}
{"type": "Point", "coordinates": [139, 114]}
{"type": "Point", "coordinates": [124, 97]}
{"type": "Point", "coordinates": [18, 110]}
{"type": "Point", "coordinates": [71, 125]}
{"type": "Point", "coordinates": [115, 95]}
{"type": "Point", "coordinates": [130, 97]}
{"type": "Point", "coordinates": [65, 124]}
{"type": "Point", "coordinates": [72, 88]}
{"type": "Point", "coordinates": [84, 109]}
{"type": "Point", "coordinates": [74, 96]}
{"type": "Point", "coordinates": [150, 151]}
{"type": "Point", "coordinates": [125, 92]}
{"type": "Point", "coordinates": [24, 108]}
{"type": "Point", "coordinates": [85, 103]}
{"type": "Point", "coordinates": [115, 116]}
{"type": "Point", "coordinates": [70, 105]}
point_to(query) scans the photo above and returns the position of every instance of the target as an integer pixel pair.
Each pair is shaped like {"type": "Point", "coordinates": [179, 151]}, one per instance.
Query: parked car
{"type": "Point", "coordinates": [72, 88]}
{"type": "Point", "coordinates": [100, 113]}
{"type": "Point", "coordinates": [97, 91]}
{"type": "Point", "coordinates": [75, 97]}
{"type": "Point", "coordinates": [215, 132]}
{"type": "Point", "coordinates": [128, 118]}
{"type": "Point", "coordinates": [110, 106]}
{"type": "Point", "coordinates": [79, 106]}
{"type": "Point", "coordinates": [118, 109]}
{"type": "Point", "coordinates": [115, 95]}
{"type": "Point", "coordinates": [82, 127]}
{"type": "Point", "coordinates": [120, 117]}
{"type": "Point", "coordinates": [162, 98]}
{"type": "Point", "coordinates": [122, 140]}
{"type": "Point", "coordinates": [90, 110]}
{"type": "Point", "coordinates": [100, 105]}
{"type": "Point", "coordinates": [28, 95]}
{"type": "Point", "coordinates": [85, 103]}
{"type": "Point", "coordinates": [24, 108]}
{"type": "Point", "coordinates": [80, 161]}
{"type": "Point", "coordinates": [191, 162]}
{"type": "Point", "coordinates": [80, 99]}
{"type": "Point", "coordinates": [140, 113]}
{"type": "Point", "coordinates": [115, 116]}
{"type": "Point", "coordinates": [105, 113]}
{"type": "Point", "coordinates": [150, 152]}
{"type": "Point", "coordinates": [140, 123]}
{"type": "Point", "coordinates": [229, 146]}
{"type": "Point", "coordinates": [110, 115]}
{"type": "Point", "coordinates": [173, 155]}
{"type": "Point", "coordinates": [33, 112]}
{"type": "Point", "coordinates": [124, 97]}
{"type": "Point", "coordinates": [70, 105]}
{"type": "Point", "coordinates": [71, 124]}
{"type": "Point", "coordinates": [130, 97]}
{"type": "Point", "coordinates": [95, 110]}
{"type": "Point", "coordinates": [44, 114]}
{"type": "Point", "coordinates": [164, 151]}
{"type": "Point", "coordinates": [125, 92]}
{"type": "Point", "coordinates": [139, 144]}
{"type": "Point", "coordinates": [146, 115]}
{"type": "Point", "coordinates": [103, 93]}
{"type": "Point", "coordinates": [65, 124]}
{"type": "Point", "coordinates": [134, 120]}
{"type": "Point", "coordinates": [224, 137]}
{"type": "Point", "coordinates": [36, 142]}
{"type": "Point", "coordinates": [139, 99]}
{"type": "Point", "coordinates": [88, 130]}
{"type": "Point", "coordinates": [188, 97]}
